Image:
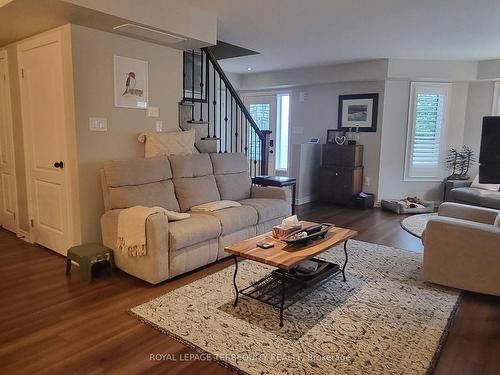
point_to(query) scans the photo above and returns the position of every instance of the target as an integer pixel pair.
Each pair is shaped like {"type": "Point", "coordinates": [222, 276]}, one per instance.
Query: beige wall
{"type": "Point", "coordinates": [318, 113]}
{"type": "Point", "coordinates": [393, 144]}
{"type": "Point", "coordinates": [93, 52]}
{"type": "Point", "coordinates": [479, 104]}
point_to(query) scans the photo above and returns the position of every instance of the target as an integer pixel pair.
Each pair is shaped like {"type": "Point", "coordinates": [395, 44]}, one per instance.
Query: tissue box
{"type": "Point", "coordinates": [280, 231]}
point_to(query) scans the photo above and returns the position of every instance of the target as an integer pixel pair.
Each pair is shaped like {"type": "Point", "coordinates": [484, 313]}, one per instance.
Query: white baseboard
{"type": "Point", "coordinates": [23, 235]}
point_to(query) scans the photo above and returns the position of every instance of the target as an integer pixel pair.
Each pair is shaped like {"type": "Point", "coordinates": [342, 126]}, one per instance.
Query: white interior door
{"type": "Point", "coordinates": [8, 190]}
{"type": "Point", "coordinates": [263, 111]}
{"type": "Point", "coordinates": [44, 128]}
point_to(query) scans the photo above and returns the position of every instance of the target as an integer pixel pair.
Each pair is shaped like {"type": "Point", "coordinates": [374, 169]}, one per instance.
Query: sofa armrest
{"type": "Point", "coordinates": [152, 267]}
{"type": "Point", "coordinates": [462, 254]}
{"type": "Point", "coordinates": [272, 193]}
{"type": "Point", "coordinates": [466, 212]}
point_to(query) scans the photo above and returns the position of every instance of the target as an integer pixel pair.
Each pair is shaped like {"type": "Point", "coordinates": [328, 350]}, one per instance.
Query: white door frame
{"type": "Point", "coordinates": [10, 137]}
{"type": "Point", "coordinates": [61, 35]}
{"type": "Point", "coordinates": [254, 99]}
{"type": "Point", "coordinates": [249, 94]}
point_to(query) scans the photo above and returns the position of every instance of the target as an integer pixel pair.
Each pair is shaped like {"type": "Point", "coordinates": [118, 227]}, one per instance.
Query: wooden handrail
{"type": "Point", "coordinates": [234, 94]}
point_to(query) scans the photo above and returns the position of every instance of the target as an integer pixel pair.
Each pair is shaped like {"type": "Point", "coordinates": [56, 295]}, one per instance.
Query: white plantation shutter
{"type": "Point", "coordinates": [426, 144]}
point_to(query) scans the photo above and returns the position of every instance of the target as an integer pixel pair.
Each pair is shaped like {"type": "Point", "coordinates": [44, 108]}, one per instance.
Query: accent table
{"type": "Point", "coordinates": [285, 282]}
{"type": "Point", "coordinates": [277, 181]}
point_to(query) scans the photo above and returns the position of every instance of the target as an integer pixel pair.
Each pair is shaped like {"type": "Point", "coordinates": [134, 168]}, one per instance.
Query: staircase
{"type": "Point", "coordinates": [214, 109]}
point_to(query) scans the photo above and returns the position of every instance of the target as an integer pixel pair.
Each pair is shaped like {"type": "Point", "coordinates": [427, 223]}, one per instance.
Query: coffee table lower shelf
{"type": "Point", "coordinates": [281, 289]}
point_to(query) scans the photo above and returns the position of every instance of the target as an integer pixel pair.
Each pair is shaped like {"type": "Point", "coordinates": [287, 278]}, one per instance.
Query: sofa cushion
{"type": "Point", "coordinates": [268, 209]}
{"type": "Point", "coordinates": [137, 171]}
{"type": "Point", "coordinates": [145, 182]}
{"type": "Point", "coordinates": [159, 194]}
{"type": "Point", "coordinates": [235, 218]}
{"type": "Point", "coordinates": [197, 228]}
{"type": "Point", "coordinates": [195, 190]}
{"type": "Point", "coordinates": [480, 197]}
{"type": "Point", "coordinates": [194, 165]}
{"type": "Point", "coordinates": [231, 174]}
{"type": "Point", "coordinates": [193, 180]}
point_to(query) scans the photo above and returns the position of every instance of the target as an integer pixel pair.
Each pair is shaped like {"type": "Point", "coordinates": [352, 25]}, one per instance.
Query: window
{"type": "Point", "coordinates": [426, 137]}
{"type": "Point", "coordinates": [282, 131]}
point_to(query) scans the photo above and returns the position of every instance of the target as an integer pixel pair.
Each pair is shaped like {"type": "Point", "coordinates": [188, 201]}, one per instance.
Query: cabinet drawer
{"type": "Point", "coordinates": [342, 156]}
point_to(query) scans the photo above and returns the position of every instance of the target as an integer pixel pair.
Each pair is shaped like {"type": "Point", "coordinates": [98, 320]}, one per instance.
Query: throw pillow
{"type": "Point", "coordinates": [477, 185]}
{"type": "Point", "coordinates": [215, 206]}
{"type": "Point", "coordinates": [168, 143]}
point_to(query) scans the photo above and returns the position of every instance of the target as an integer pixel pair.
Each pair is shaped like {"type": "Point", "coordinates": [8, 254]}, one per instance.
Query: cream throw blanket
{"type": "Point", "coordinates": [132, 228]}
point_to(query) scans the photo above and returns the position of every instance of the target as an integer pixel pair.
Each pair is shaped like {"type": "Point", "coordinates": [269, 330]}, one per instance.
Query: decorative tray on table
{"type": "Point", "coordinates": [306, 234]}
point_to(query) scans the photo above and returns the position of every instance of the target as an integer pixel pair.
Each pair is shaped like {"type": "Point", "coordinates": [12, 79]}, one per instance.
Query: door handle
{"type": "Point", "coordinates": [271, 152]}
{"type": "Point", "coordinates": [59, 164]}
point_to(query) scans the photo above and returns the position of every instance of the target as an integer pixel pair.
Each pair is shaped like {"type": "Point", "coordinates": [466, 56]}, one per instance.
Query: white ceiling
{"type": "Point", "coordinates": [299, 33]}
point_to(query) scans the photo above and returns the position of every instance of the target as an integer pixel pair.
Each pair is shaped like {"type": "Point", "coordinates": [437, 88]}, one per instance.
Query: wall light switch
{"type": "Point", "coordinates": [159, 126]}
{"type": "Point", "coordinates": [153, 112]}
{"type": "Point", "coordinates": [302, 96]}
{"type": "Point", "coordinates": [98, 124]}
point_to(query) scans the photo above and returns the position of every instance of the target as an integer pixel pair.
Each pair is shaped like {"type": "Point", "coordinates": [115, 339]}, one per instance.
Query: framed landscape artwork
{"type": "Point", "coordinates": [358, 111]}
{"type": "Point", "coordinates": [131, 82]}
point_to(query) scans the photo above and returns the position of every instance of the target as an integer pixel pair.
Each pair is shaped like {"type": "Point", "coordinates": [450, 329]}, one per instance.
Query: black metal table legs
{"type": "Point", "coordinates": [282, 306]}
{"type": "Point", "coordinates": [345, 263]}
{"type": "Point", "coordinates": [234, 280]}
{"type": "Point", "coordinates": [276, 288]}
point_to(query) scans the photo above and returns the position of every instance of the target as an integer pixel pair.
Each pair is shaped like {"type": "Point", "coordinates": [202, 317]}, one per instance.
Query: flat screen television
{"type": "Point", "coordinates": [489, 155]}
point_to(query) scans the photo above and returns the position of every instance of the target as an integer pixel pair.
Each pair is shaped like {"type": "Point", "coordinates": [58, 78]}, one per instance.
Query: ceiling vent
{"type": "Point", "coordinates": [143, 32]}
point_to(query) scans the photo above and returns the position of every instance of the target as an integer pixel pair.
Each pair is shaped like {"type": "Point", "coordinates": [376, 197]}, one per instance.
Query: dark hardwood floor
{"type": "Point", "coordinates": [58, 325]}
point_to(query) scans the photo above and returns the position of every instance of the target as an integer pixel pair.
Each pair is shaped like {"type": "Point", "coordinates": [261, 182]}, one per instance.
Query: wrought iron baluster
{"type": "Point", "coordinates": [225, 121]}
{"type": "Point", "coordinates": [232, 135]}
{"type": "Point", "coordinates": [236, 127]}
{"type": "Point", "coordinates": [215, 106]}
{"type": "Point", "coordinates": [201, 86]}
{"type": "Point", "coordinates": [192, 84]}
{"type": "Point", "coordinates": [184, 76]}
{"type": "Point", "coordinates": [207, 93]}
{"type": "Point", "coordinates": [246, 136]}
{"type": "Point", "coordinates": [220, 112]}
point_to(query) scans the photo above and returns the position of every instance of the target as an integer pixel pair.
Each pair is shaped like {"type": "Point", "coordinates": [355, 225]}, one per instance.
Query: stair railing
{"type": "Point", "coordinates": [216, 104]}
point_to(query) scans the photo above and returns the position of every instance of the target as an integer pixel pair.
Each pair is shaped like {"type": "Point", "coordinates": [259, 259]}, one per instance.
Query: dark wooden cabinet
{"type": "Point", "coordinates": [341, 173]}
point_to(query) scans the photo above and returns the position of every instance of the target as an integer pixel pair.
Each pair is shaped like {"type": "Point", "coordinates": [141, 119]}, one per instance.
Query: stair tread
{"type": "Point", "coordinates": [187, 104]}
{"type": "Point", "coordinates": [210, 139]}
{"type": "Point", "coordinates": [195, 122]}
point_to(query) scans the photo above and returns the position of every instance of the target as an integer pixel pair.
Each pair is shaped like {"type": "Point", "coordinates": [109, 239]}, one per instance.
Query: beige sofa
{"type": "Point", "coordinates": [179, 183]}
{"type": "Point", "coordinates": [462, 248]}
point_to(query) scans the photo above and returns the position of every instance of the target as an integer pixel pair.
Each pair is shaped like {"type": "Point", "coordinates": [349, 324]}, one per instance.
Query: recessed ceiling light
{"type": "Point", "coordinates": [249, 69]}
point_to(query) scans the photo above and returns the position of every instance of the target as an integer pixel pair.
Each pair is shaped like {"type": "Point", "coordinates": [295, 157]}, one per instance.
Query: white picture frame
{"type": "Point", "coordinates": [130, 82]}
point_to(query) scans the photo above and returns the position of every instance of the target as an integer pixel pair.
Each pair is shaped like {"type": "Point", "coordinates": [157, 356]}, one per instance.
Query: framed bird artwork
{"type": "Point", "coordinates": [131, 82]}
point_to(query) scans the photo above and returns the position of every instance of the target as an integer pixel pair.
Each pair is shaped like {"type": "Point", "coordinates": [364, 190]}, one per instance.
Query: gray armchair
{"type": "Point", "coordinates": [462, 248]}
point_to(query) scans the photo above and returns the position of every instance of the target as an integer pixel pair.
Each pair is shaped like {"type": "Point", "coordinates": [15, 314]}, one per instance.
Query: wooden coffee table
{"type": "Point", "coordinates": [286, 282]}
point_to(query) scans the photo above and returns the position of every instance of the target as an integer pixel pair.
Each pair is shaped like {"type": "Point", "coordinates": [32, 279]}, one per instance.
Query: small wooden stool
{"type": "Point", "coordinates": [86, 256]}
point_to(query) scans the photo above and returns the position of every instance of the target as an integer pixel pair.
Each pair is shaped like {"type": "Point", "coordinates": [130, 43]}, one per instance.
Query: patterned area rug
{"type": "Point", "coordinates": [416, 224]}
{"type": "Point", "coordinates": [383, 320]}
